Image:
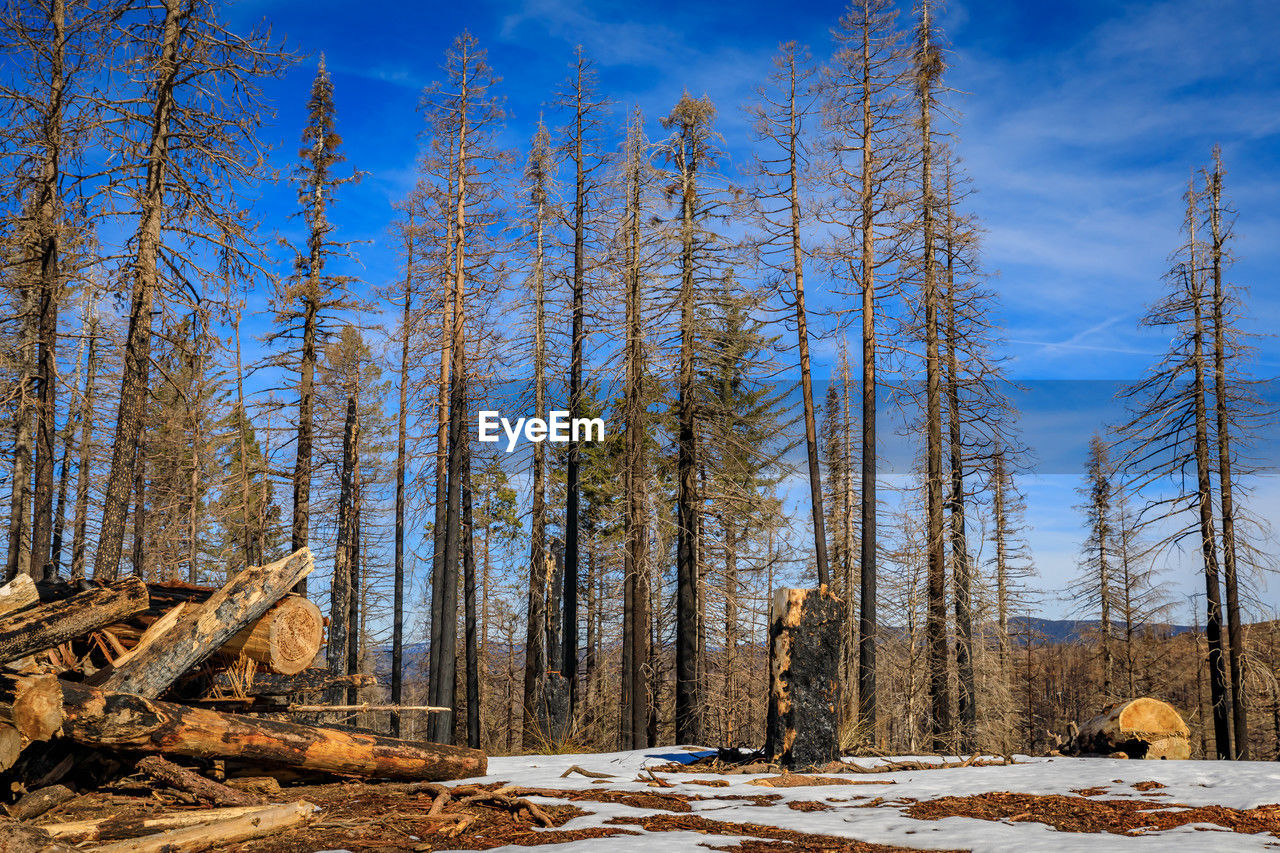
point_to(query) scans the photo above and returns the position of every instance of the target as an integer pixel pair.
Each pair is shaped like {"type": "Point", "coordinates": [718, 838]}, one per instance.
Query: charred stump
{"type": "Point", "coordinates": [806, 638]}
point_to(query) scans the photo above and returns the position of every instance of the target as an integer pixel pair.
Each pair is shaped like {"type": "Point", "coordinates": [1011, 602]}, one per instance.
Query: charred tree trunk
{"type": "Point", "coordinates": [122, 721]}
{"type": "Point", "coordinates": [1235, 631]}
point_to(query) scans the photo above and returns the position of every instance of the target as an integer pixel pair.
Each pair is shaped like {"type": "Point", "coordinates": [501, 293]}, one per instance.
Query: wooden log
{"type": "Point", "coordinates": [38, 628]}
{"type": "Point", "coordinates": [1140, 728]}
{"type": "Point", "coordinates": [11, 745]}
{"type": "Point", "coordinates": [213, 793]}
{"type": "Point", "coordinates": [285, 639]}
{"type": "Point", "coordinates": [202, 630]}
{"type": "Point", "coordinates": [112, 828]}
{"type": "Point", "coordinates": [18, 594]}
{"type": "Point", "coordinates": [806, 638]}
{"type": "Point", "coordinates": [274, 684]}
{"type": "Point", "coordinates": [32, 704]}
{"type": "Point", "coordinates": [123, 721]}
{"type": "Point", "coordinates": [19, 838]}
{"type": "Point", "coordinates": [35, 803]}
{"type": "Point", "coordinates": [267, 820]}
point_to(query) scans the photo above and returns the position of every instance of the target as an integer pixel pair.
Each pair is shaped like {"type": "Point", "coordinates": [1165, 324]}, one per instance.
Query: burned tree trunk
{"type": "Point", "coordinates": [123, 721]}
{"type": "Point", "coordinates": [806, 638]}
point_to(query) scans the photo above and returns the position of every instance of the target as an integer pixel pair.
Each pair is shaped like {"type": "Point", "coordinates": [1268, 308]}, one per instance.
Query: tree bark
{"type": "Point", "coordinates": [182, 779]}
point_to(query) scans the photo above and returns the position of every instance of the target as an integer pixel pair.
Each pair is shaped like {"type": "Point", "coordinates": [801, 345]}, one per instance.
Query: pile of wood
{"type": "Point", "coordinates": [98, 675]}
{"type": "Point", "coordinates": [1143, 728]}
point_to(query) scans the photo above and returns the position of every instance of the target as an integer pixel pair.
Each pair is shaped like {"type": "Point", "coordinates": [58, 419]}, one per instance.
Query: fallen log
{"type": "Point", "coordinates": [35, 803]}
{"type": "Point", "coordinates": [1140, 728]}
{"type": "Point", "coordinates": [182, 779]}
{"type": "Point", "coordinates": [11, 745]}
{"type": "Point", "coordinates": [17, 594]}
{"type": "Point", "coordinates": [123, 721]}
{"type": "Point", "coordinates": [266, 820]}
{"type": "Point", "coordinates": [38, 628]}
{"type": "Point", "coordinates": [202, 630]}
{"type": "Point", "coordinates": [113, 828]}
{"type": "Point", "coordinates": [32, 704]}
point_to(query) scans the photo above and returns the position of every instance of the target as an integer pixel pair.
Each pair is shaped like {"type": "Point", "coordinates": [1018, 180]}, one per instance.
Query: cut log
{"type": "Point", "coordinates": [202, 630]}
{"type": "Point", "coordinates": [36, 708]}
{"type": "Point", "coordinates": [211, 792]}
{"type": "Point", "coordinates": [1139, 728]}
{"type": "Point", "coordinates": [123, 721]}
{"type": "Point", "coordinates": [10, 746]}
{"type": "Point", "coordinates": [267, 820]}
{"type": "Point", "coordinates": [285, 639]}
{"type": "Point", "coordinates": [113, 828]}
{"type": "Point", "coordinates": [38, 628]}
{"type": "Point", "coordinates": [18, 594]}
{"type": "Point", "coordinates": [35, 803]}
{"type": "Point", "coordinates": [806, 640]}
{"type": "Point", "coordinates": [273, 684]}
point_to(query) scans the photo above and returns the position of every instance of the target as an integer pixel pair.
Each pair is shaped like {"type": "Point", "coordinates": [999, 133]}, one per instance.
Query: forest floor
{"type": "Point", "coordinates": [647, 803]}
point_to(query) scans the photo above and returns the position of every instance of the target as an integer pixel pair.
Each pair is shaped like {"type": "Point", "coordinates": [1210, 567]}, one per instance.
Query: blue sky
{"type": "Point", "coordinates": [1081, 124]}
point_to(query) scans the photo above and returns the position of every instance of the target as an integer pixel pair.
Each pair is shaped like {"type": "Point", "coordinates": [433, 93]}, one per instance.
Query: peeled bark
{"type": "Point", "coordinates": [122, 721]}
{"type": "Point", "coordinates": [182, 779]}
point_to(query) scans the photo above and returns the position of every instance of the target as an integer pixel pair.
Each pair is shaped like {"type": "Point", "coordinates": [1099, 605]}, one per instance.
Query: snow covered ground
{"type": "Point", "coordinates": [1242, 785]}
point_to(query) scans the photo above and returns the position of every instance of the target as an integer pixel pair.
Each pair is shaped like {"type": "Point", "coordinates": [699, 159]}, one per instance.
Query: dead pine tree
{"type": "Point", "coordinates": [1247, 407]}
{"type": "Point", "coordinates": [538, 179]}
{"type": "Point", "coordinates": [1166, 440]}
{"type": "Point", "coordinates": [306, 302]}
{"type": "Point", "coordinates": [780, 112]}
{"type": "Point", "coordinates": [46, 120]}
{"type": "Point", "coordinates": [337, 649]}
{"type": "Point", "coordinates": [1095, 590]}
{"type": "Point", "coordinates": [864, 103]}
{"type": "Point", "coordinates": [463, 114]}
{"type": "Point", "coordinates": [928, 68]}
{"type": "Point", "coordinates": [195, 152]}
{"type": "Point", "coordinates": [580, 96]}
{"type": "Point", "coordinates": [956, 235]}
{"type": "Point", "coordinates": [690, 152]}
{"type": "Point", "coordinates": [635, 701]}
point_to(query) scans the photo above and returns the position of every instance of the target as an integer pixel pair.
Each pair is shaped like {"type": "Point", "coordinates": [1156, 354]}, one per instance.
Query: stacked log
{"type": "Point", "coordinates": [154, 641]}
{"type": "Point", "coordinates": [806, 638]}
{"type": "Point", "coordinates": [1143, 728]}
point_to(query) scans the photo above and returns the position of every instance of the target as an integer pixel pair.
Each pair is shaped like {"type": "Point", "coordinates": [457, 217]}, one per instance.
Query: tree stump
{"type": "Point", "coordinates": [806, 638]}
{"type": "Point", "coordinates": [554, 724]}
{"type": "Point", "coordinates": [1140, 728]}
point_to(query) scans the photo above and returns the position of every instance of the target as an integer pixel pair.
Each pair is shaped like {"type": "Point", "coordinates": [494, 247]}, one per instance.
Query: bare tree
{"type": "Point", "coordinates": [187, 153]}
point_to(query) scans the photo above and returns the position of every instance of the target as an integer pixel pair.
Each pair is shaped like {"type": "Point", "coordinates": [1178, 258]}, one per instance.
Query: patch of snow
{"type": "Point", "coordinates": [1240, 785]}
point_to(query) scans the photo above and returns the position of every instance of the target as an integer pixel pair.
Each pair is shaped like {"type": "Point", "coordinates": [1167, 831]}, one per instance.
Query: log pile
{"type": "Point", "coordinates": [126, 676]}
{"type": "Point", "coordinates": [1143, 728]}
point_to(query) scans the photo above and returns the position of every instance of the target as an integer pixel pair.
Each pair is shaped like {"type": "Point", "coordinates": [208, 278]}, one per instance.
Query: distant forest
{"type": "Point", "coordinates": [600, 594]}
